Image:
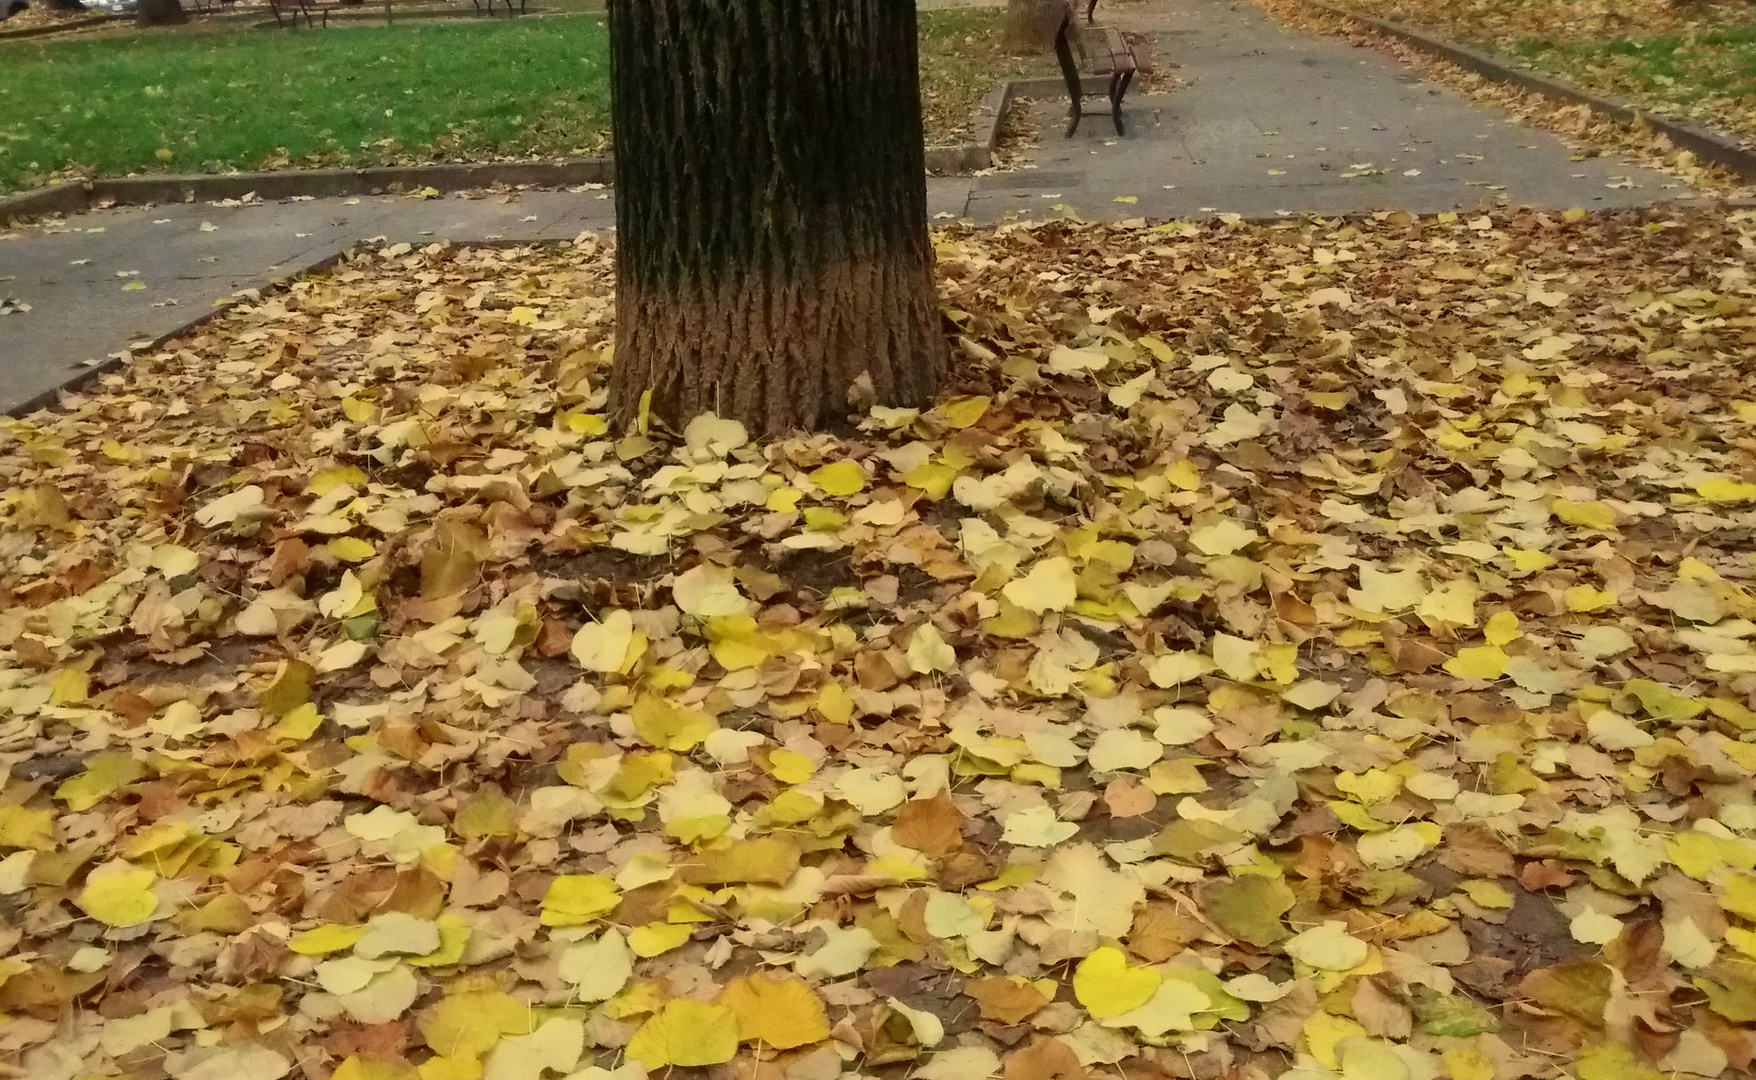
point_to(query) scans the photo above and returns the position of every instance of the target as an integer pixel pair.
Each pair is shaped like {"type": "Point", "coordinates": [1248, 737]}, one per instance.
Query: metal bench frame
{"type": "Point", "coordinates": [1114, 58]}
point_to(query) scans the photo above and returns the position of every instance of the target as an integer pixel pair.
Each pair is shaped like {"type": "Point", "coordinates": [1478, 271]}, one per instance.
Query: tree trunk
{"type": "Point", "coordinates": [62, 5]}
{"type": "Point", "coordinates": [160, 13]}
{"type": "Point", "coordinates": [1031, 25]}
{"type": "Point", "coordinates": [773, 264]}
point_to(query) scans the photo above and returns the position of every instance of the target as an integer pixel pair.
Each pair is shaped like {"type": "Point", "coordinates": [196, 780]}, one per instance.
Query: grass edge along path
{"type": "Point", "coordinates": [1695, 62]}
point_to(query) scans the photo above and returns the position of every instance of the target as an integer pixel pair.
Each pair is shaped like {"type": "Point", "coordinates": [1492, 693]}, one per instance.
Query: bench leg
{"type": "Point", "coordinates": [1091, 12]}
{"type": "Point", "coordinates": [1070, 72]}
{"type": "Point", "coordinates": [1118, 89]}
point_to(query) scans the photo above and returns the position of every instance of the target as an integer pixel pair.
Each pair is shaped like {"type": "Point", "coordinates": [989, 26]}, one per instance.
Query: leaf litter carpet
{"type": "Point", "coordinates": [1324, 647]}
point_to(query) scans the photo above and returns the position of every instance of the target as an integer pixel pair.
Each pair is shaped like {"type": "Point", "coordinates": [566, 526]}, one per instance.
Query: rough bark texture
{"type": "Point", "coordinates": [773, 263]}
{"type": "Point", "coordinates": [1031, 25]}
{"type": "Point", "coordinates": [160, 13]}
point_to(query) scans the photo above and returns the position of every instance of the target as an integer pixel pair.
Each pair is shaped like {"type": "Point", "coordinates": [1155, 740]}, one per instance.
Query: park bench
{"type": "Point", "coordinates": [508, 3]}
{"type": "Point", "coordinates": [1102, 51]}
{"type": "Point", "coordinates": [288, 12]}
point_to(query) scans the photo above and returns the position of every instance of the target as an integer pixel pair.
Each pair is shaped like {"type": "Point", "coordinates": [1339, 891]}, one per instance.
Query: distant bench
{"type": "Point", "coordinates": [1102, 51]}
{"type": "Point", "coordinates": [289, 12]}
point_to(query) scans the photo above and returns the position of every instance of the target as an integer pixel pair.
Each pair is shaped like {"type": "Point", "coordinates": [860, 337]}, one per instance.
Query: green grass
{"type": "Point", "coordinates": [215, 99]}
{"type": "Point", "coordinates": [251, 99]}
{"type": "Point", "coordinates": [1694, 60]}
{"type": "Point", "coordinates": [961, 61]}
{"type": "Point", "coordinates": [1706, 75]}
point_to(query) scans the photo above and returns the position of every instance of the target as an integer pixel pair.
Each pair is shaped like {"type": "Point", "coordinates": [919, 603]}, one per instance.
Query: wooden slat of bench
{"type": "Point", "coordinates": [1121, 56]}
{"type": "Point", "coordinates": [1105, 51]}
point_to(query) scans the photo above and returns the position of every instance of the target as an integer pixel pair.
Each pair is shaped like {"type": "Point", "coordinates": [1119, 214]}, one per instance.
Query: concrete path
{"type": "Point", "coordinates": [1270, 121]}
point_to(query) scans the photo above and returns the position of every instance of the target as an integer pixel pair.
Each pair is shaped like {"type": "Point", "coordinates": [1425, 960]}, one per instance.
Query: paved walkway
{"type": "Point", "coordinates": [1269, 121]}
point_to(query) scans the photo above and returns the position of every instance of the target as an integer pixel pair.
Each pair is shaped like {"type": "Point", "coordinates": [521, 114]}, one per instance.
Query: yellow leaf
{"type": "Point", "coordinates": [1323, 1031]}
{"type": "Point", "coordinates": [487, 813]}
{"type": "Point", "coordinates": [1108, 987]}
{"type": "Point", "coordinates": [1724, 489]}
{"type": "Point", "coordinates": [1468, 1063]}
{"type": "Point", "coordinates": [1586, 598]}
{"type": "Point", "coordinates": [1487, 894]}
{"type": "Point", "coordinates": [778, 1012]}
{"type": "Point", "coordinates": [299, 724]}
{"type": "Point", "coordinates": [1502, 628]}
{"type": "Point", "coordinates": [71, 687]}
{"type": "Point", "coordinates": [605, 646]}
{"type": "Point", "coordinates": [686, 1033]}
{"type": "Point", "coordinates": [1526, 561]}
{"type": "Point", "coordinates": [835, 704]}
{"type": "Point", "coordinates": [1370, 1059]}
{"type": "Point", "coordinates": [1050, 586]}
{"type": "Point", "coordinates": [934, 478]}
{"type": "Point", "coordinates": [1328, 946]}
{"type": "Point", "coordinates": [1585, 515]}
{"type": "Point", "coordinates": [928, 651]}
{"type": "Point", "coordinates": [1388, 592]}
{"type": "Point", "coordinates": [1452, 603]}
{"type": "Point", "coordinates": [325, 939]}
{"type": "Point", "coordinates": [1478, 662]}
{"type": "Point", "coordinates": [790, 766]}
{"type": "Point", "coordinates": [670, 727]}
{"type": "Point", "coordinates": [373, 1068]}
{"type": "Point", "coordinates": [840, 478]}
{"type": "Point", "coordinates": [357, 410]}
{"type": "Point", "coordinates": [523, 316]}
{"type": "Point", "coordinates": [962, 412]}
{"type": "Point", "coordinates": [21, 828]}
{"type": "Point", "coordinates": [708, 591]}
{"type": "Point", "coordinates": [104, 775]}
{"type": "Point", "coordinates": [578, 899]}
{"type": "Point", "coordinates": [119, 894]}
{"type": "Point", "coordinates": [656, 938]}
{"type": "Point", "coordinates": [467, 1025]}
{"type": "Point", "coordinates": [351, 549]}
{"type": "Point", "coordinates": [324, 481]}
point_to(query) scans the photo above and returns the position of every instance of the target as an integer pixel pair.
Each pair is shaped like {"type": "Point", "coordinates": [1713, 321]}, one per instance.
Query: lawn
{"type": "Point", "coordinates": [1696, 61]}
{"type": "Point", "coordinates": [248, 99]}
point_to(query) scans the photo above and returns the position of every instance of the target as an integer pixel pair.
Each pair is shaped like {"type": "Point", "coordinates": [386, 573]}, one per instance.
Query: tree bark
{"type": "Point", "coordinates": [160, 13]}
{"type": "Point", "coordinates": [1031, 25]}
{"type": "Point", "coordinates": [773, 264]}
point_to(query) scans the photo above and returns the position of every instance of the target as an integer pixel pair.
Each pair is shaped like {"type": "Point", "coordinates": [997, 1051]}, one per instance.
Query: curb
{"type": "Point", "coordinates": [77, 196]}
{"type": "Point", "coordinates": [1710, 147]}
{"type": "Point", "coordinates": [57, 28]}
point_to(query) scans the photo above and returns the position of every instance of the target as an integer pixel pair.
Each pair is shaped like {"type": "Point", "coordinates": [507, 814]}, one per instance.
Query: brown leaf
{"type": "Point", "coordinates": [1005, 1001]}
{"type": "Point", "coordinates": [1476, 852]}
{"type": "Point", "coordinates": [931, 826]}
{"type": "Point", "coordinates": [1161, 931]}
{"type": "Point", "coordinates": [1547, 874]}
{"type": "Point", "coordinates": [1379, 1012]}
{"type": "Point", "coordinates": [1125, 799]}
{"type": "Point", "coordinates": [1045, 1059]}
